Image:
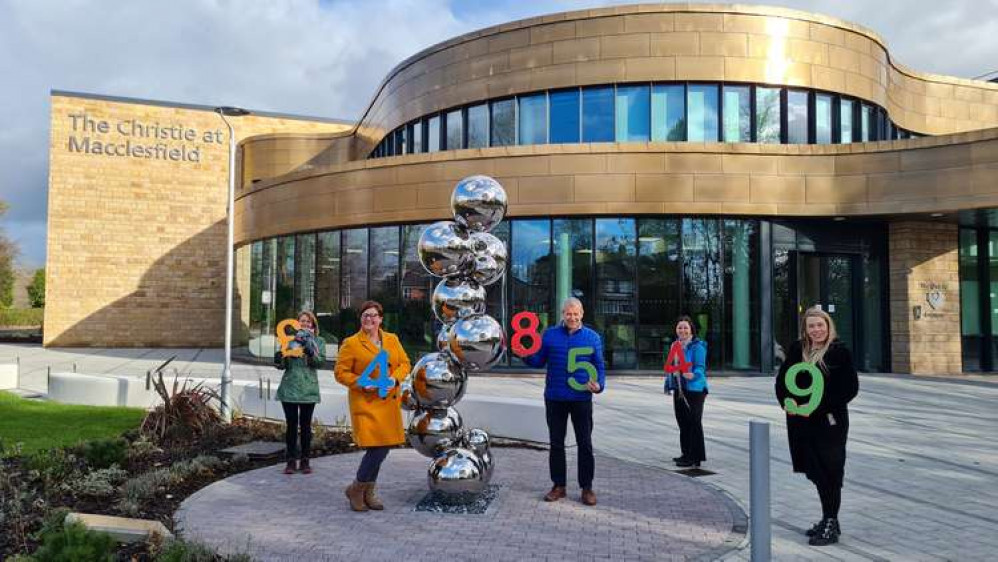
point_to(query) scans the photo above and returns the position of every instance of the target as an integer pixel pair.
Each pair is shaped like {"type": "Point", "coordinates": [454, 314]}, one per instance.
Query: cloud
{"type": "Point", "coordinates": [316, 58]}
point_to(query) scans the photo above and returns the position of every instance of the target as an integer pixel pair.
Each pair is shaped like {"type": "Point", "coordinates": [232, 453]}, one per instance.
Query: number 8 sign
{"type": "Point", "coordinates": [814, 392]}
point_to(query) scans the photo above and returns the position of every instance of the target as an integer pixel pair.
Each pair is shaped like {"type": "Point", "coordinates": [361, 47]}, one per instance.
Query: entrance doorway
{"type": "Point", "coordinates": [829, 281]}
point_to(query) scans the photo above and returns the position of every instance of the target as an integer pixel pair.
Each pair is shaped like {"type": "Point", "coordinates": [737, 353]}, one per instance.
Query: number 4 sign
{"type": "Point", "coordinates": [384, 382]}
{"type": "Point", "coordinates": [676, 361]}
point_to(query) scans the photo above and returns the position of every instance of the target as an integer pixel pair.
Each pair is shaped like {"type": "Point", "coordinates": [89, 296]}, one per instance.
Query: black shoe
{"type": "Point", "coordinates": [827, 534]}
{"type": "Point", "coordinates": [679, 459]}
{"type": "Point", "coordinates": [687, 463]}
{"type": "Point", "coordinates": [815, 529]}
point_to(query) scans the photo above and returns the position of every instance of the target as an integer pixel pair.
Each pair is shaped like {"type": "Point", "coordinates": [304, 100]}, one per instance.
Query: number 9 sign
{"type": "Point", "coordinates": [813, 393]}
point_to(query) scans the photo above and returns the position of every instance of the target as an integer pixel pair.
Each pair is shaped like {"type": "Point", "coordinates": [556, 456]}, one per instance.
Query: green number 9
{"type": "Point", "coordinates": [813, 393]}
{"type": "Point", "coordinates": [586, 366]}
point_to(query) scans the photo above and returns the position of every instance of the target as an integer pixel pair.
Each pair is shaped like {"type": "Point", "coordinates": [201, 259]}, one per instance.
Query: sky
{"type": "Point", "coordinates": [319, 58]}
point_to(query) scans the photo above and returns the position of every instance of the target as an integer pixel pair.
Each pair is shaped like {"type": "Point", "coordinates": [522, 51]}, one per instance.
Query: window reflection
{"type": "Point", "coordinates": [658, 289]}
{"type": "Point", "coordinates": [533, 119]}
{"type": "Point", "coordinates": [478, 126]}
{"type": "Point", "coordinates": [633, 114]}
{"type": "Point", "coordinates": [384, 274]}
{"type": "Point", "coordinates": [455, 130]}
{"type": "Point", "coordinates": [845, 121]}
{"type": "Point", "coordinates": [668, 112]}
{"type": "Point", "coordinates": [702, 280]}
{"type": "Point", "coordinates": [503, 122]}
{"type": "Point", "coordinates": [616, 290]}
{"type": "Point", "coordinates": [767, 115]}
{"type": "Point", "coordinates": [597, 114]}
{"type": "Point", "coordinates": [822, 118]}
{"type": "Point", "coordinates": [797, 117]}
{"type": "Point", "coordinates": [564, 125]}
{"type": "Point", "coordinates": [416, 323]}
{"type": "Point", "coordinates": [327, 287]}
{"type": "Point", "coordinates": [737, 114]}
{"type": "Point", "coordinates": [530, 271]}
{"type": "Point", "coordinates": [701, 103]}
{"type": "Point", "coordinates": [353, 280]}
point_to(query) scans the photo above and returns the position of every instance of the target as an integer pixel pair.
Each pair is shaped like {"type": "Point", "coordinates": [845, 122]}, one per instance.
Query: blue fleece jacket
{"type": "Point", "coordinates": [555, 345]}
{"type": "Point", "coordinates": [696, 353]}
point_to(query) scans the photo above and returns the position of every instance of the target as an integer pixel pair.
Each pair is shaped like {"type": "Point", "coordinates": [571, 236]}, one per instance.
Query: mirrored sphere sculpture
{"type": "Point", "coordinates": [488, 463]}
{"type": "Point", "coordinates": [479, 203]}
{"type": "Point", "coordinates": [445, 250]}
{"type": "Point", "coordinates": [489, 258]}
{"type": "Point", "coordinates": [437, 381]}
{"type": "Point", "coordinates": [431, 432]}
{"type": "Point", "coordinates": [476, 341]}
{"type": "Point", "coordinates": [457, 297]}
{"type": "Point", "coordinates": [458, 471]}
{"type": "Point", "coordinates": [478, 440]}
{"type": "Point", "coordinates": [443, 338]}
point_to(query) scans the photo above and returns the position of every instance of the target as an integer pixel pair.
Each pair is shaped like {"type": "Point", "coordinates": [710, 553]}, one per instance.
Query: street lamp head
{"type": "Point", "coordinates": [232, 111]}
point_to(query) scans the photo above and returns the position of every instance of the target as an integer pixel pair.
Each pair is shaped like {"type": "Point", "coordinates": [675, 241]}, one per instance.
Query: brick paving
{"type": "Point", "coordinates": [643, 514]}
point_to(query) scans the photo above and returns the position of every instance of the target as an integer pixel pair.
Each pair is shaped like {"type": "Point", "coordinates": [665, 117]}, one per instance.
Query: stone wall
{"type": "Point", "coordinates": [925, 298]}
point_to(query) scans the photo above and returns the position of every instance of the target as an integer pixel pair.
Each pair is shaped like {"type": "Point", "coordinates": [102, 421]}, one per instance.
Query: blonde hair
{"type": "Point", "coordinates": [315, 321]}
{"type": "Point", "coordinates": [811, 353]}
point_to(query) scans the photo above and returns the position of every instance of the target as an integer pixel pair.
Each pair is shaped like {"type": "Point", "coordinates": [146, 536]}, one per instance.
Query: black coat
{"type": "Point", "coordinates": [818, 441]}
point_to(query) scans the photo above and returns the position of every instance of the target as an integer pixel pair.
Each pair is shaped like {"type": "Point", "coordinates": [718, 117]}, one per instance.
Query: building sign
{"type": "Point", "coordinates": [935, 300]}
{"type": "Point", "coordinates": [134, 138]}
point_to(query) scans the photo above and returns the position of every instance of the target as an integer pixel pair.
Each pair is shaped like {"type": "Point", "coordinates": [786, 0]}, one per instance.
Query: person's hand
{"type": "Point", "coordinates": [593, 386]}
{"type": "Point", "coordinates": [688, 376]}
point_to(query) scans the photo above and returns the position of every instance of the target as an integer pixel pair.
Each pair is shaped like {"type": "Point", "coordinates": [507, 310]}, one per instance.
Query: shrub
{"type": "Point", "coordinates": [21, 316]}
{"type": "Point", "coordinates": [184, 551]}
{"type": "Point", "coordinates": [52, 467]}
{"type": "Point", "coordinates": [141, 448]}
{"type": "Point", "coordinates": [36, 290]}
{"type": "Point", "coordinates": [102, 453]}
{"type": "Point", "coordinates": [73, 543]}
{"type": "Point", "coordinates": [186, 412]}
{"type": "Point", "coordinates": [98, 483]}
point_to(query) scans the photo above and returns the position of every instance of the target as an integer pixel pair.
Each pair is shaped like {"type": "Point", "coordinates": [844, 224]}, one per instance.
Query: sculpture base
{"type": "Point", "coordinates": [459, 504]}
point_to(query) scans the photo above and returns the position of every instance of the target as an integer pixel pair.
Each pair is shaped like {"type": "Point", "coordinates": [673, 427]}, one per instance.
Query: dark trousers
{"type": "Point", "coordinates": [581, 412]}
{"type": "Point", "coordinates": [298, 416]}
{"type": "Point", "coordinates": [689, 418]}
{"type": "Point", "coordinates": [831, 499]}
{"type": "Point", "coordinates": [370, 465]}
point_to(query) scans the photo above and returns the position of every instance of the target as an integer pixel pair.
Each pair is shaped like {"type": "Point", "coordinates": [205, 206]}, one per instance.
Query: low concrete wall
{"type": "Point", "coordinates": [514, 418]}
{"type": "Point", "coordinates": [9, 376]}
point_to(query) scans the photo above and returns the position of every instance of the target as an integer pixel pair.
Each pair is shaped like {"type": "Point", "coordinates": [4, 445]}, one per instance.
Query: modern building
{"type": "Point", "coordinates": [734, 163]}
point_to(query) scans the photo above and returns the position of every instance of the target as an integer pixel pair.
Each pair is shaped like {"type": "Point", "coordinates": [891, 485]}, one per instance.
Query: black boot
{"type": "Point", "coordinates": [827, 534]}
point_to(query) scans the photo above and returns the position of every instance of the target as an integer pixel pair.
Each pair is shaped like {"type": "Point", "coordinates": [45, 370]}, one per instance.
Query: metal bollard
{"type": "Point", "coordinates": [148, 379]}
{"type": "Point", "coordinates": [17, 378]}
{"type": "Point", "coordinates": [260, 386]}
{"type": "Point", "coordinates": [74, 366]}
{"type": "Point", "coordinates": [48, 379]}
{"type": "Point", "coordinates": [759, 509]}
{"type": "Point", "coordinates": [268, 388]}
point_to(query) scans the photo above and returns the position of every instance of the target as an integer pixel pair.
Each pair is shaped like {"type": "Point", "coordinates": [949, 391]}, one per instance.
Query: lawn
{"type": "Point", "coordinates": [43, 425]}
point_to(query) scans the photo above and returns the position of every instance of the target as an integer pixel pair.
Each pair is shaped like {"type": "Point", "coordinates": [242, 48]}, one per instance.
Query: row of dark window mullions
{"type": "Point", "coordinates": [663, 113]}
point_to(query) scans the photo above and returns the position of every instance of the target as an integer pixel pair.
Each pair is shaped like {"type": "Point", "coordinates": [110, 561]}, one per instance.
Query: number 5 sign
{"type": "Point", "coordinates": [574, 365]}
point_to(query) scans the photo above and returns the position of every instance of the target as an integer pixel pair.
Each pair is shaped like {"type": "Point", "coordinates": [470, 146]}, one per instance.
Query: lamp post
{"type": "Point", "coordinates": [224, 112]}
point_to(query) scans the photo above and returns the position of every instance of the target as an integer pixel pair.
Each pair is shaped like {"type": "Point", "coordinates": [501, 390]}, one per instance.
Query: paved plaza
{"type": "Point", "coordinates": [921, 477]}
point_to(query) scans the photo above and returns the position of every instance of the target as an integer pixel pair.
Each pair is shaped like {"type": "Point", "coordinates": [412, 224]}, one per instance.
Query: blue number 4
{"type": "Point", "coordinates": [384, 382]}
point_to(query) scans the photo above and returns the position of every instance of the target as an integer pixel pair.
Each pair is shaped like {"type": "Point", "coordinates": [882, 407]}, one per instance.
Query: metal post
{"type": "Point", "coordinates": [226, 410]}
{"type": "Point", "coordinates": [148, 379]}
{"type": "Point", "coordinates": [74, 366]}
{"type": "Point", "coordinates": [48, 379]}
{"type": "Point", "coordinates": [17, 378]}
{"type": "Point", "coordinates": [759, 510]}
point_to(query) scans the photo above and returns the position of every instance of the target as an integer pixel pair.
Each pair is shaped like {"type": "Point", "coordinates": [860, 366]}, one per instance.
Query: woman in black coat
{"type": "Point", "coordinates": [817, 429]}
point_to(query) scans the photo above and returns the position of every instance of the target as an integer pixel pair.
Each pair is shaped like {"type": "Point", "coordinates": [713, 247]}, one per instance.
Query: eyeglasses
{"type": "Point", "coordinates": [370, 315]}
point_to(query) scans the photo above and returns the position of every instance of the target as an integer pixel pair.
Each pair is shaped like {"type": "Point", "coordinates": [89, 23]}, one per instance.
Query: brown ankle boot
{"type": "Point", "coordinates": [371, 499]}
{"type": "Point", "coordinates": [355, 493]}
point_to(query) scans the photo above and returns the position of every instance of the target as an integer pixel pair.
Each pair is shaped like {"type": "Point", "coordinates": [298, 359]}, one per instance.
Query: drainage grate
{"type": "Point", "coordinates": [695, 472]}
{"type": "Point", "coordinates": [459, 504]}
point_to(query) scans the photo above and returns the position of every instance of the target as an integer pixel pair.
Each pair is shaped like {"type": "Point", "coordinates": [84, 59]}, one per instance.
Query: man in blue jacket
{"type": "Point", "coordinates": [573, 354]}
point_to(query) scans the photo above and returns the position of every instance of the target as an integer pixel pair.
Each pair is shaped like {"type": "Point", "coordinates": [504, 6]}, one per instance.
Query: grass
{"type": "Point", "coordinates": [21, 316]}
{"type": "Point", "coordinates": [40, 426]}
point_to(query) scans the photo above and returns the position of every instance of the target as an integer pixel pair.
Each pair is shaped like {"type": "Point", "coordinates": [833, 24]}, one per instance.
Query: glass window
{"type": "Point", "coordinates": [872, 359]}
{"type": "Point", "coordinates": [845, 121]}
{"type": "Point", "coordinates": [503, 122]}
{"type": "Point", "coordinates": [658, 289]}
{"type": "Point", "coordinates": [400, 147]}
{"type": "Point", "coordinates": [597, 114]}
{"type": "Point", "coordinates": [573, 257]}
{"type": "Point", "coordinates": [701, 103]}
{"type": "Point", "coordinates": [433, 134]}
{"type": "Point", "coordinates": [797, 117]}
{"type": "Point", "coordinates": [767, 115]}
{"type": "Point", "coordinates": [416, 323]}
{"type": "Point", "coordinates": [258, 309]}
{"type": "Point", "coordinates": [866, 122]}
{"type": "Point", "coordinates": [530, 274]}
{"type": "Point", "coordinates": [822, 118]}
{"type": "Point", "coordinates": [633, 114]}
{"type": "Point", "coordinates": [741, 303]}
{"type": "Point", "coordinates": [416, 137]}
{"type": "Point", "coordinates": [353, 279]}
{"type": "Point", "coordinates": [305, 272]}
{"type": "Point", "coordinates": [496, 294]}
{"type": "Point", "coordinates": [564, 125]}
{"type": "Point", "coordinates": [616, 290]}
{"type": "Point", "coordinates": [970, 301]}
{"type": "Point", "coordinates": [327, 287]}
{"type": "Point", "coordinates": [284, 298]}
{"type": "Point", "coordinates": [737, 114]}
{"type": "Point", "coordinates": [533, 119]}
{"type": "Point", "coordinates": [384, 273]}
{"type": "Point", "coordinates": [478, 126]}
{"type": "Point", "coordinates": [668, 112]}
{"type": "Point", "coordinates": [455, 130]}
{"type": "Point", "coordinates": [702, 281]}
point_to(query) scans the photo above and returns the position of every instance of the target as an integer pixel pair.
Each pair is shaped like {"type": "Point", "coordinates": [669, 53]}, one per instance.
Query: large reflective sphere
{"type": "Point", "coordinates": [431, 432]}
{"type": "Point", "coordinates": [407, 396]}
{"type": "Point", "coordinates": [457, 471]}
{"type": "Point", "coordinates": [443, 339]}
{"type": "Point", "coordinates": [488, 463]}
{"type": "Point", "coordinates": [479, 203]}
{"type": "Point", "coordinates": [457, 297]}
{"type": "Point", "coordinates": [445, 250]}
{"type": "Point", "coordinates": [489, 258]}
{"type": "Point", "coordinates": [476, 341]}
{"type": "Point", "coordinates": [437, 381]}
{"type": "Point", "coordinates": [478, 440]}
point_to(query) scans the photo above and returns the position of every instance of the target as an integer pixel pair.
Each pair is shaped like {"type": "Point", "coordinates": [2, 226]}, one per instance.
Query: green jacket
{"type": "Point", "coordinates": [300, 383]}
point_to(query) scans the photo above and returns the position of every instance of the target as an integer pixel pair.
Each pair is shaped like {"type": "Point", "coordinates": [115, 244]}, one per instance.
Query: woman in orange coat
{"type": "Point", "coordinates": [376, 421]}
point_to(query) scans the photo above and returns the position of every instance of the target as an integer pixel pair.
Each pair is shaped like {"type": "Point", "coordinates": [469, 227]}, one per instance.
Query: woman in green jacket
{"type": "Point", "coordinates": [299, 390]}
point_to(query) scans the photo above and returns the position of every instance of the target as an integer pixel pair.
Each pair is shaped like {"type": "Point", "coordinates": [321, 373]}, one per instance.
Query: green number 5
{"type": "Point", "coordinates": [575, 365]}
{"type": "Point", "coordinates": [813, 393]}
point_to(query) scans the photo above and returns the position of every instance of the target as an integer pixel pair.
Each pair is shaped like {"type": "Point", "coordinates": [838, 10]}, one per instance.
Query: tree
{"type": "Point", "coordinates": [36, 290]}
{"type": "Point", "coordinates": [8, 252]}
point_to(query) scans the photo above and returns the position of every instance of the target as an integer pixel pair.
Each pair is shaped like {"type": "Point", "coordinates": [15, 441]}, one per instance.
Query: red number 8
{"type": "Point", "coordinates": [530, 330]}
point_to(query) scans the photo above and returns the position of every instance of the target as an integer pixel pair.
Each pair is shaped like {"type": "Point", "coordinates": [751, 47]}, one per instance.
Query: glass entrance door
{"type": "Point", "coordinates": [829, 281]}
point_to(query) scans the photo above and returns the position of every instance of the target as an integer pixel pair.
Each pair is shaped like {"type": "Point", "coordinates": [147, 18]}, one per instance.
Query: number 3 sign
{"type": "Point", "coordinates": [814, 392]}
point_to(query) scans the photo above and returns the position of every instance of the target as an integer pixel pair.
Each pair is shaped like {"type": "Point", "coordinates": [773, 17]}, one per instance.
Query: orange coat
{"type": "Point", "coordinates": [376, 422]}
